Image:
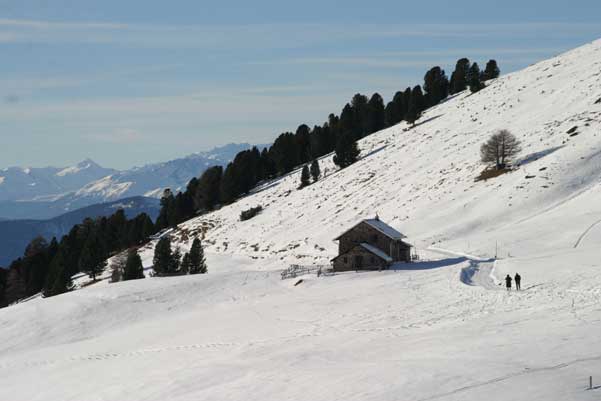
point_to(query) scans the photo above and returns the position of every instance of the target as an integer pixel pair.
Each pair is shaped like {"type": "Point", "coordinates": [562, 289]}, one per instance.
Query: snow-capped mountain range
{"type": "Point", "coordinates": [41, 193]}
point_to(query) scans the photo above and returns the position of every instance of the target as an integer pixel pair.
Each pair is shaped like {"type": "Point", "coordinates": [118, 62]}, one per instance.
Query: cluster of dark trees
{"type": "Point", "coordinates": [339, 134]}
{"type": "Point", "coordinates": [307, 173]}
{"type": "Point", "coordinates": [48, 267]}
{"type": "Point", "coordinates": [168, 262]}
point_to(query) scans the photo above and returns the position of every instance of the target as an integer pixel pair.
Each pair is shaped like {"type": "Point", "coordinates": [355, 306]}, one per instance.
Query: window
{"type": "Point", "coordinates": [345, 259]}
{"type": "Point", "coordinates": [373, 260]}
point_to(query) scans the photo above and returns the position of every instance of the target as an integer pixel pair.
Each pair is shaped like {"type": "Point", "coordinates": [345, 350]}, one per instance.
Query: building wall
{"type": "Point", "coordinates": [363, 232]}
{"type": "Point", "coordinates": [349, 261]}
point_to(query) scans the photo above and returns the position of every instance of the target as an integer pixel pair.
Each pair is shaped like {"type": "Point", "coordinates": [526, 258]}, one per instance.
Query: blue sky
{"type": "Point", "coordinates": [132, 82]}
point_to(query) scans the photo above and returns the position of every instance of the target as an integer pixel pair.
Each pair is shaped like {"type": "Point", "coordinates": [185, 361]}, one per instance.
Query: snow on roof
{"type": "Point", "coordinates": [378, 225]}
{"type": "Point", "coordinates": [384, 228]}
{"type": "Point", "coordinates": [376, 251]}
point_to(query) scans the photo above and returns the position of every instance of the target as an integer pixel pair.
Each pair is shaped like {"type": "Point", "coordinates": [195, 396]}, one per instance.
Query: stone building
{"type": "Point", "coordinates": [370, 245]}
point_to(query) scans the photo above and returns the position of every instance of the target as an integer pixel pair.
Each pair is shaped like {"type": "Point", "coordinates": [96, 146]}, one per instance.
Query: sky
{"type": "Point", "coordinates": [131, 82]}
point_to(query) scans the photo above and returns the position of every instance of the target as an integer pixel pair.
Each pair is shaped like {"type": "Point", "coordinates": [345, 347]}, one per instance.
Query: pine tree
{"type": "Point", "coordinates": [376, 115]}
{"type": "Point", "coordinates": [346, 152]}
{"type": "Point", "coordinates": [198, 263]}
{"type": "Point", "coordinates": [416, 105]}
{"type": "Point", "coordinates": [436, 86]}
{"type": "Point", "coordinates": [491, 71]}
{"type": "Point", "coordinates": [474, 78]}
{"type": "Point", "coordinates": [163, 256]}
{"type": "Point", "coordinates": [186, 263]}
{"type": "Point", "coordinates": [459, 76]}
{"type": "Point", "coordinates": [315, 170]}
{"type": "Point", "coordinates": [92, 260]}
{"type": "Point", "coordinates": [176, 259]}
{"type": "Point", "coordinates": [133, 266]}
{"type": "Point", "coordinates": [305, 177]}
{"type": "Point", "coordinates": [58, 280]}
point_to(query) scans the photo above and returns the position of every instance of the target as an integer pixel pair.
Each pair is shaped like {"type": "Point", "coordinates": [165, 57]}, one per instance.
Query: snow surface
{"type": "Point", "coordinates": [438, 329]}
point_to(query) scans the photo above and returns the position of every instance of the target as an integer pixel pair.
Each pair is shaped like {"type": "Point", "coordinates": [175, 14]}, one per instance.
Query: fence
{"type": "Point", "coordinates": [298, 270]}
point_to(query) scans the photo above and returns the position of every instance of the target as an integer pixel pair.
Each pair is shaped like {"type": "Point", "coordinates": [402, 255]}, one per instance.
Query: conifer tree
{"type": "Point", "coordinates": [163, 256]}
{"type": "Point", "coordinates": [58, 280]}
{"type": "Point", "coordinates": [376, 115]}
{"type": "Point", "coordinates": [459, 76]}
{"type": "Point", "coordinates": [474, 78]}
{"type": "Point", "coordinates": [92, 260]}
{"type": "Point", "coordinates": [315, 170]}
{"type": "Point", "coordinates": [416, 106]}
{"type": "Point", "coordinates": [346, 152]}
{"type": "Point", "coordinates": [305, 177]}
{"type": "Point", "coordinates": [491, 71]}
{"type": "Point", "coordinates": [133, 266]}
{"type": "Point", "coordinates": [176, 260]}
{"type": "Point", "coordinates": [436, 86]}
{"type": "Point", "coordinates": [198, 263]}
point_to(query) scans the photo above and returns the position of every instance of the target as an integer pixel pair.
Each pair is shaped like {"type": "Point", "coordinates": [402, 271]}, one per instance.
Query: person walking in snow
{"type": "Point", "coordinates": [518, 281]}
{"type": "Point", "coordinates": [508, 282]}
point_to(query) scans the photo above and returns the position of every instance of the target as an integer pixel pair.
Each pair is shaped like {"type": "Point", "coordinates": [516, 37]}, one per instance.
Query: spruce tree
{"type": "Point", "coordinates": [491, 71]}
{"type": "Point", "coordinates": [436, 86]}
{"type": "Point", "coordinates": [305, 177]}
{"type": "Point", "coordinates": [198, 263]}
{"type": "Point", "coordinates": [315, 170]}
{"type": "Point", "coordinates": [92, 260]}
{"type": "Point", "coordinates": [175, 261]}
{"type": "Point", "coordinates": [346, 152]}
{"type": "Point", "coordinates": [459, 77]}
{"type": "Point", "coordinates": [416, 106]}
{"type": "Point", "coordinates": [58, 280]}
{"type": "Point", "coordinates": [376, 114]}
{"type": "Point", "coordinates": [133, 266]}
{"type": "Point", "coordinates": [163, 256]}
{"type": "Point", "coordinates": [474, 78]}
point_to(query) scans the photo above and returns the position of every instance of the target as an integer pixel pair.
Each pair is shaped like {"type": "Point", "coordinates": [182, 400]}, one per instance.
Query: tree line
{"type": "Point", "coordinates": [47, 267]}
{"type": "Point", "coordinates": [360, 117]}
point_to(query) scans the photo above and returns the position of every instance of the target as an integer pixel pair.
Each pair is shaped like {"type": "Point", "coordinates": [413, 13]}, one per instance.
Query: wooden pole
{"type": "Point", "coordinates": [590, 382]}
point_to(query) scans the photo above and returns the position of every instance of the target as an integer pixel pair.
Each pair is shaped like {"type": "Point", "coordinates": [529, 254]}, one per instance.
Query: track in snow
{"type": "Point", "coordinates": [585, 233]}
{"type": "Point", "coordinates": [478, 273]}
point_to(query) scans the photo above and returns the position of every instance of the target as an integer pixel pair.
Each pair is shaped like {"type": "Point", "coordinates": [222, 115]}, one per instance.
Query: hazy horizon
{"type": "Point", "coordinates": [130, 84]}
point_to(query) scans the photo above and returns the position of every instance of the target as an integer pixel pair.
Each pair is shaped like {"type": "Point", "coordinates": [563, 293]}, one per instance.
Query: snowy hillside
{"type": "Point", "coordinates": [438, 329]}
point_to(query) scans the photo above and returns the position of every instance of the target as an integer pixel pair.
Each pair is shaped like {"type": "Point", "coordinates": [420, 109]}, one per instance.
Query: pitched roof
{"type": "Point", "coordinates": [385, 228]}
{"type": "Point", "coordinates": [379, 253]}
{"type": "Point", "coordinates": [378, 225]}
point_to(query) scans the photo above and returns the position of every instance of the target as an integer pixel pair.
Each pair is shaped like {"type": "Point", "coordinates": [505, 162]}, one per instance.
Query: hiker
{"type": "Point", "coordinates": [508, 282]}
{"type": "Point", "coordinates": [518, 280]}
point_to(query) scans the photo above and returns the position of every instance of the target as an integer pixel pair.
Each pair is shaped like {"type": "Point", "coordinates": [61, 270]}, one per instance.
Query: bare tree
{"type": "Point", "coordinates": [500, 148]}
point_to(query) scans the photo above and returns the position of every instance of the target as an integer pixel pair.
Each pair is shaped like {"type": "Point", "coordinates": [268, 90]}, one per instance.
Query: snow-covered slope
{"type": "Point", "coordinates": [437, 329]}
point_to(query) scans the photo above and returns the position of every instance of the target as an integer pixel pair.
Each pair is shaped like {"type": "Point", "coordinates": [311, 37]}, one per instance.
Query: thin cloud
{"type": "Point", "coordinates": [258, 35]}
